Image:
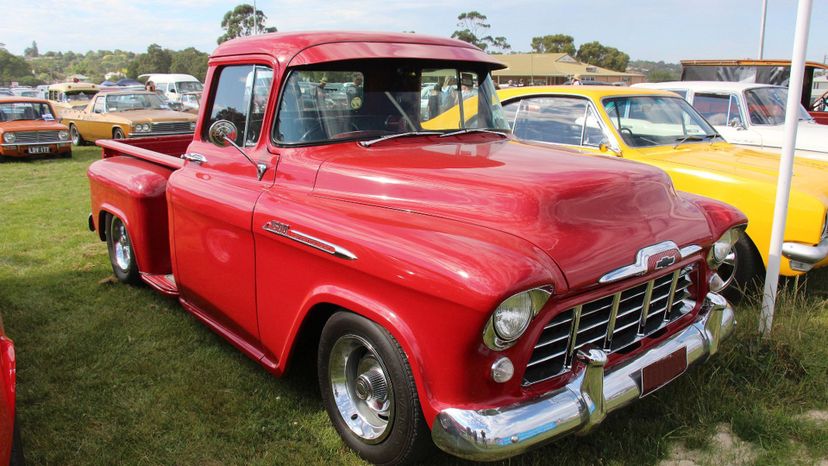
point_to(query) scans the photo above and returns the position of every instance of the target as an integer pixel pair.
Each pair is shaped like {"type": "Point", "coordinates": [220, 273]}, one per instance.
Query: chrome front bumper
{"type": "Point", "coordinates": [804, 257]}
{"type": "Point", "coordinates": [497, 433]}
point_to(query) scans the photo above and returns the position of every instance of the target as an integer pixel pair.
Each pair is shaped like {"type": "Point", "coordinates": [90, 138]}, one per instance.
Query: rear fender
{"type": "Point", "coordinates": [135, 191]}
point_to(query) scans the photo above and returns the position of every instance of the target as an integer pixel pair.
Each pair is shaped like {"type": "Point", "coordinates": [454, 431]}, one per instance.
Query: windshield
{"type": "Point", "coordinates": [125, 102]}
{"type": "Point", "coordinates": [371, 98]}
{"type": "Point", "coordinates": [189, 86]}
{"type": "Point", "coordinates": [766, 105]}
{"type": "Point", "coordinates": [78, 96]}
{"type": "Point", "coordinates": [25, 111]}
{"type": "Point", "coordinates": [656, 120]}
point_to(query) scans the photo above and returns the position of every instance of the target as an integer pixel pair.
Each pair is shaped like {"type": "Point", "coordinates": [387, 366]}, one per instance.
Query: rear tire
{"type": "Point", "coordinates": [121, 252]}
{"type": "Point", "coordinates": [369, 391]}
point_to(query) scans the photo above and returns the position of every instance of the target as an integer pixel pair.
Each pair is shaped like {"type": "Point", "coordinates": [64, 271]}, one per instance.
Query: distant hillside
{"type": "Point", "coordinates": [656, 71]}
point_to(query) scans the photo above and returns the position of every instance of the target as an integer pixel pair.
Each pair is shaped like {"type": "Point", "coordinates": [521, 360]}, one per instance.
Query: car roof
{"type": "Point", "coordinates": [287, 45]}
{"type": "Point", "coordinates": [704, 85]}
{"type": "Point", "coordinates": [128, 92]}
{"type": "Point", "coordinates": [595, 92]}
{"type": "Point", "coordinates": [20, 99]}
{"type": "Point", "coordinates": [168, 77]}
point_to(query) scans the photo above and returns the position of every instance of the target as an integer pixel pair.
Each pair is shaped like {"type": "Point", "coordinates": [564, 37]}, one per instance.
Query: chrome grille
{"type": "Point", "coordinates": [27, 137]}
{"type": "Point", "coordinates": [612, 322]}
{"type": "Point", "coordinates": [172, 127]}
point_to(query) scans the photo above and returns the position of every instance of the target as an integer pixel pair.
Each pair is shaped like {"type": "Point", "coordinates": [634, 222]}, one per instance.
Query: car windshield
{"type": "Point", "coordinates": [78, 96]}
{"type": "Point", "coordinates": [15, 111]}
{"type": "Point", "coordinates": [766, 106]}
{"type": "Point", "coordinates": [126, 102]}
{"type": "Point", "coordinates": [369, 99]}
{"type": "Point", "coordinates": [189, 86]}
{"type": "Point", "coordinates": [656, 120]}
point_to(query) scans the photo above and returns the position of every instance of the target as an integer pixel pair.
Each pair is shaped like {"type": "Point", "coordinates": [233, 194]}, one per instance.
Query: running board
{"type": "Point", "coordinates": [162, 283]}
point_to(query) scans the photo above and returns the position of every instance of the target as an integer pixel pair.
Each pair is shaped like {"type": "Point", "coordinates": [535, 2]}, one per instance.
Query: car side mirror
{"type": "Point", "coordinates": [222, 133]}
{"type": "Point", "coordinates": [605, 147]}
{"type": "Point", "coordinates": [172, 91]}
{"type": "Point", "coordinates": [737, 123]}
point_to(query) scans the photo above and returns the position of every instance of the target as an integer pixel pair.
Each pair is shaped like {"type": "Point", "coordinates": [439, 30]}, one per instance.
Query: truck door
{"type": "Point", "coordinates": [212, 199]}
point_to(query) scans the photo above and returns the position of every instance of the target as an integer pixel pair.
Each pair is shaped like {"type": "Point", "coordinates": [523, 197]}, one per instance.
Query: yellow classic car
{"type": "Point", "coordinates": [126, 114]}
{"type": "Point", "coordinates": [662, 129]}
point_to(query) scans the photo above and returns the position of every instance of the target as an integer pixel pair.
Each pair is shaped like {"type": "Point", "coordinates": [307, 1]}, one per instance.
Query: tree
{"type": "Point", "coordinates": [240, 22]}
{"type": "Point", "coordinates": [31, 52]}
{"type": "Point", "coordinates": [597, 54]}
{"type": "Point", "coordinates": [554, 43]}
{"type": "Point", "coordinates": [156, 60]}
{"type": "Point", "coordinates": [473, 24]}
{"type": "Point", "coordinates": [190, 61]}
{"type": "Point", "coordinates": [14, 68]}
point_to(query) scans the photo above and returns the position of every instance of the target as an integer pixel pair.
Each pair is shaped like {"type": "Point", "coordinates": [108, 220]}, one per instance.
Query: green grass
{"type": "Point", "coordinates": [111, 374]}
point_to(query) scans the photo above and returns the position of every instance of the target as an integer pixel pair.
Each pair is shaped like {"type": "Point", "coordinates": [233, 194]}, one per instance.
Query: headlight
{"type": "Point", "coordinates": [146, 127]}
{"type": "Point", "coordinates": [192, 125]}
{"type": "Point", "coordinates": [512, 317]}
{"type": "Point", "coordinates": [9, 137]}
{"type": "Point", "coordinates": [63, 135]}
{"type": "Point", "coordinates": [723, 247]}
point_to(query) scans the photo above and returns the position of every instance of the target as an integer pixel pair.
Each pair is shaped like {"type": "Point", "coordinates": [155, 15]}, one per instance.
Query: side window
{"type": "Point", "coordinates": [241, 97]}
{"type": "Point", "coordinates": [734, 115]}
{"type": "Point", "coordinates": [510, 112]}
{"type": "Point", "coordinates": [557, 120]}
{"type": "Point", "coordinates": [163, 87]}
{"type": "Point", "coordinates": [681, 92]}
{"type": "Point", "coordinates": [713, 107]}
{"type": "Point", "coordinates": [100, 105]}
{"type": "Point", "coordinates": [593, 132]}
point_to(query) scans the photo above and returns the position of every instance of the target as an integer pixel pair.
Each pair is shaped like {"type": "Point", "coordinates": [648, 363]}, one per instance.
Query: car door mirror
{"type": "Point", "coordinates": [737, 124]}
{"type": "Point", "coordinates": [606, 146]}
{"type": "Point", "coordinates": [222, 133]}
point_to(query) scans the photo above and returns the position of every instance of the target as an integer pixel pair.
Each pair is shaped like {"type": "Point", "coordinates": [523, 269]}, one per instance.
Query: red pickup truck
{"type": "Point", "coordinates": [460, 288]}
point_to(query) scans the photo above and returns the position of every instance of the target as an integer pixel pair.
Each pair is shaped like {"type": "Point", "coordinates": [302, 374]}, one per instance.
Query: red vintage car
{"type": "Point", "coordinates": [458, 287]}
{"type": "Point", "coordinates": [10, 450]}
{"type": "Point", "coordinates": [28, 127]}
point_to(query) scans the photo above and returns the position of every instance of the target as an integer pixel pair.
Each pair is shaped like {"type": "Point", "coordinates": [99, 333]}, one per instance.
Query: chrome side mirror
{"type": "Point", "coordinates": [222, 133]}
{"type": "Point", "coordinates": [605, 147]}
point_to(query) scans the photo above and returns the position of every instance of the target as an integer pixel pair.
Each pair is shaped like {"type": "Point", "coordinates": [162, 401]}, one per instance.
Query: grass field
{"type": "Point", "coordinates": [112, 374]}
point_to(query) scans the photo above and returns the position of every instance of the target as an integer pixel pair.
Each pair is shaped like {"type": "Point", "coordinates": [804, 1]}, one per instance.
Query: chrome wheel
{"type": "Point", "coordinates": [123, 248]}
{"type": "Point", "coordinates": [361, 388]}
{"type": "Point", "coordinates": [727, 271]}
{"type": "Point", "coordinates": [75, 135]}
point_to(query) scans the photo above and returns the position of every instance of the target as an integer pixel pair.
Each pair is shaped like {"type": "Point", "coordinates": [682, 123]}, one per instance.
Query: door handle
{"type": "Point", "coordinates": [194, 157]}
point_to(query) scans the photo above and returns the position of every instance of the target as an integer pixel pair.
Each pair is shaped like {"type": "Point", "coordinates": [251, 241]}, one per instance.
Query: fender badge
{"type": "Point", "coordinates": [649, 259]}
{"type": "Point", "coordinates": [284, 230]}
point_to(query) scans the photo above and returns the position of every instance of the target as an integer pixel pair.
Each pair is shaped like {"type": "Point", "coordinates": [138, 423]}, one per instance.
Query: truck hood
{"type": "Point", "coordinates": [710, 160]}
{"type": "Point", "coordinates": [591, 215]}
{"type": "Point", "coordinates": [151, 116]}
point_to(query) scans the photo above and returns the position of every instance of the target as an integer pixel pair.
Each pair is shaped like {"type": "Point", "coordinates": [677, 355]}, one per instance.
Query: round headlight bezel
{"type": "Point", "coordinates": [524, 306]}
{"type": "Point", "coordinates": [9, 138]}
{"type": "Point", "coordinates": [63, 135]}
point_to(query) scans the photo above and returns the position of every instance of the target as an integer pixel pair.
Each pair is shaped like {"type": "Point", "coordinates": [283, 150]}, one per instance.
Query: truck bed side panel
{"type": "Point", "coordinates": [135, 191]}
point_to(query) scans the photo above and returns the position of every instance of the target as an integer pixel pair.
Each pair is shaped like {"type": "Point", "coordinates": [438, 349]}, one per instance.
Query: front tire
{"type": "Point", "coordinates": [17, 458]}
{"type": "Point", "coordinates": [369, 391]}
{"type": "Point", "coordinates": [75, 135]}
{"type": "Point", "coordinates": [741, 269]}
{"type": "Point", "coordinates": [121, 252]}
{"type": "Point", "coordinates": [118, 133]}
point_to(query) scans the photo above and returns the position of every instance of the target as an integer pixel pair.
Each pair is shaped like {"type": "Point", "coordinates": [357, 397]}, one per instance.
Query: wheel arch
{"type": "Point", "coordinates": [321, 306]}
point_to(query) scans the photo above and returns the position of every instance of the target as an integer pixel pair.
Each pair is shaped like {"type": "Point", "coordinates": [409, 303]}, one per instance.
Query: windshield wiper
{"type": "Point", "coordinates": [473, 130]}
{"type": "Point", "coordinates": [693, 137]}
{"type": "Point", "coordinates": [398, 135]}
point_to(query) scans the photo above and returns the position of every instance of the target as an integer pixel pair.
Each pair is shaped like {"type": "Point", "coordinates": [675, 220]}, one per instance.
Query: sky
{"type": "Point", "coordinates": [669, 30]}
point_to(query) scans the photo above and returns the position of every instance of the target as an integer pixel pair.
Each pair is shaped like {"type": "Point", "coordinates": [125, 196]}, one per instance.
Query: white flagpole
{"type": "Point", "coordinates": [783, 186]}
{"type": "Point", "coordinates": [762, 29]}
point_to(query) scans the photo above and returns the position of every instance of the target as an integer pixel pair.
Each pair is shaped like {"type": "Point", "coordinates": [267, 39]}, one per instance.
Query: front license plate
{"type": "Point", "coordinates": [663, 371]}
{"type": "Point", "coordinates": [39, 150]}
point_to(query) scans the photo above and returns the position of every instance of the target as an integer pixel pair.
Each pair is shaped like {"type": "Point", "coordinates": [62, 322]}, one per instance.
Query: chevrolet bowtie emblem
{"type": "Point", "coordinates": [650, 259]}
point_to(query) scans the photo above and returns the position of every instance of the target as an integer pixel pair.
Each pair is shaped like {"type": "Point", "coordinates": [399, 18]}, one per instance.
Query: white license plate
{"type": "Point", "coordinates": [39, 149]}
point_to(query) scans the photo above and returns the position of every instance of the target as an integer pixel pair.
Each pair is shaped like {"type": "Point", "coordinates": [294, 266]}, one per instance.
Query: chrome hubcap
{"type": "Point", "coordinates": [75, 135]}
{"type": "Point", "coordinates": [361, 389]}
{"type": "Point", "coordinates": [727, 271]}
{"type": "Point", "coordinates": [123, 250]}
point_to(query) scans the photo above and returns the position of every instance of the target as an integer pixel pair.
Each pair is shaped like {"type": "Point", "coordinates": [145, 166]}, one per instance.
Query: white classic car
{"type": "Point", "coordinates": [750, 114]}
